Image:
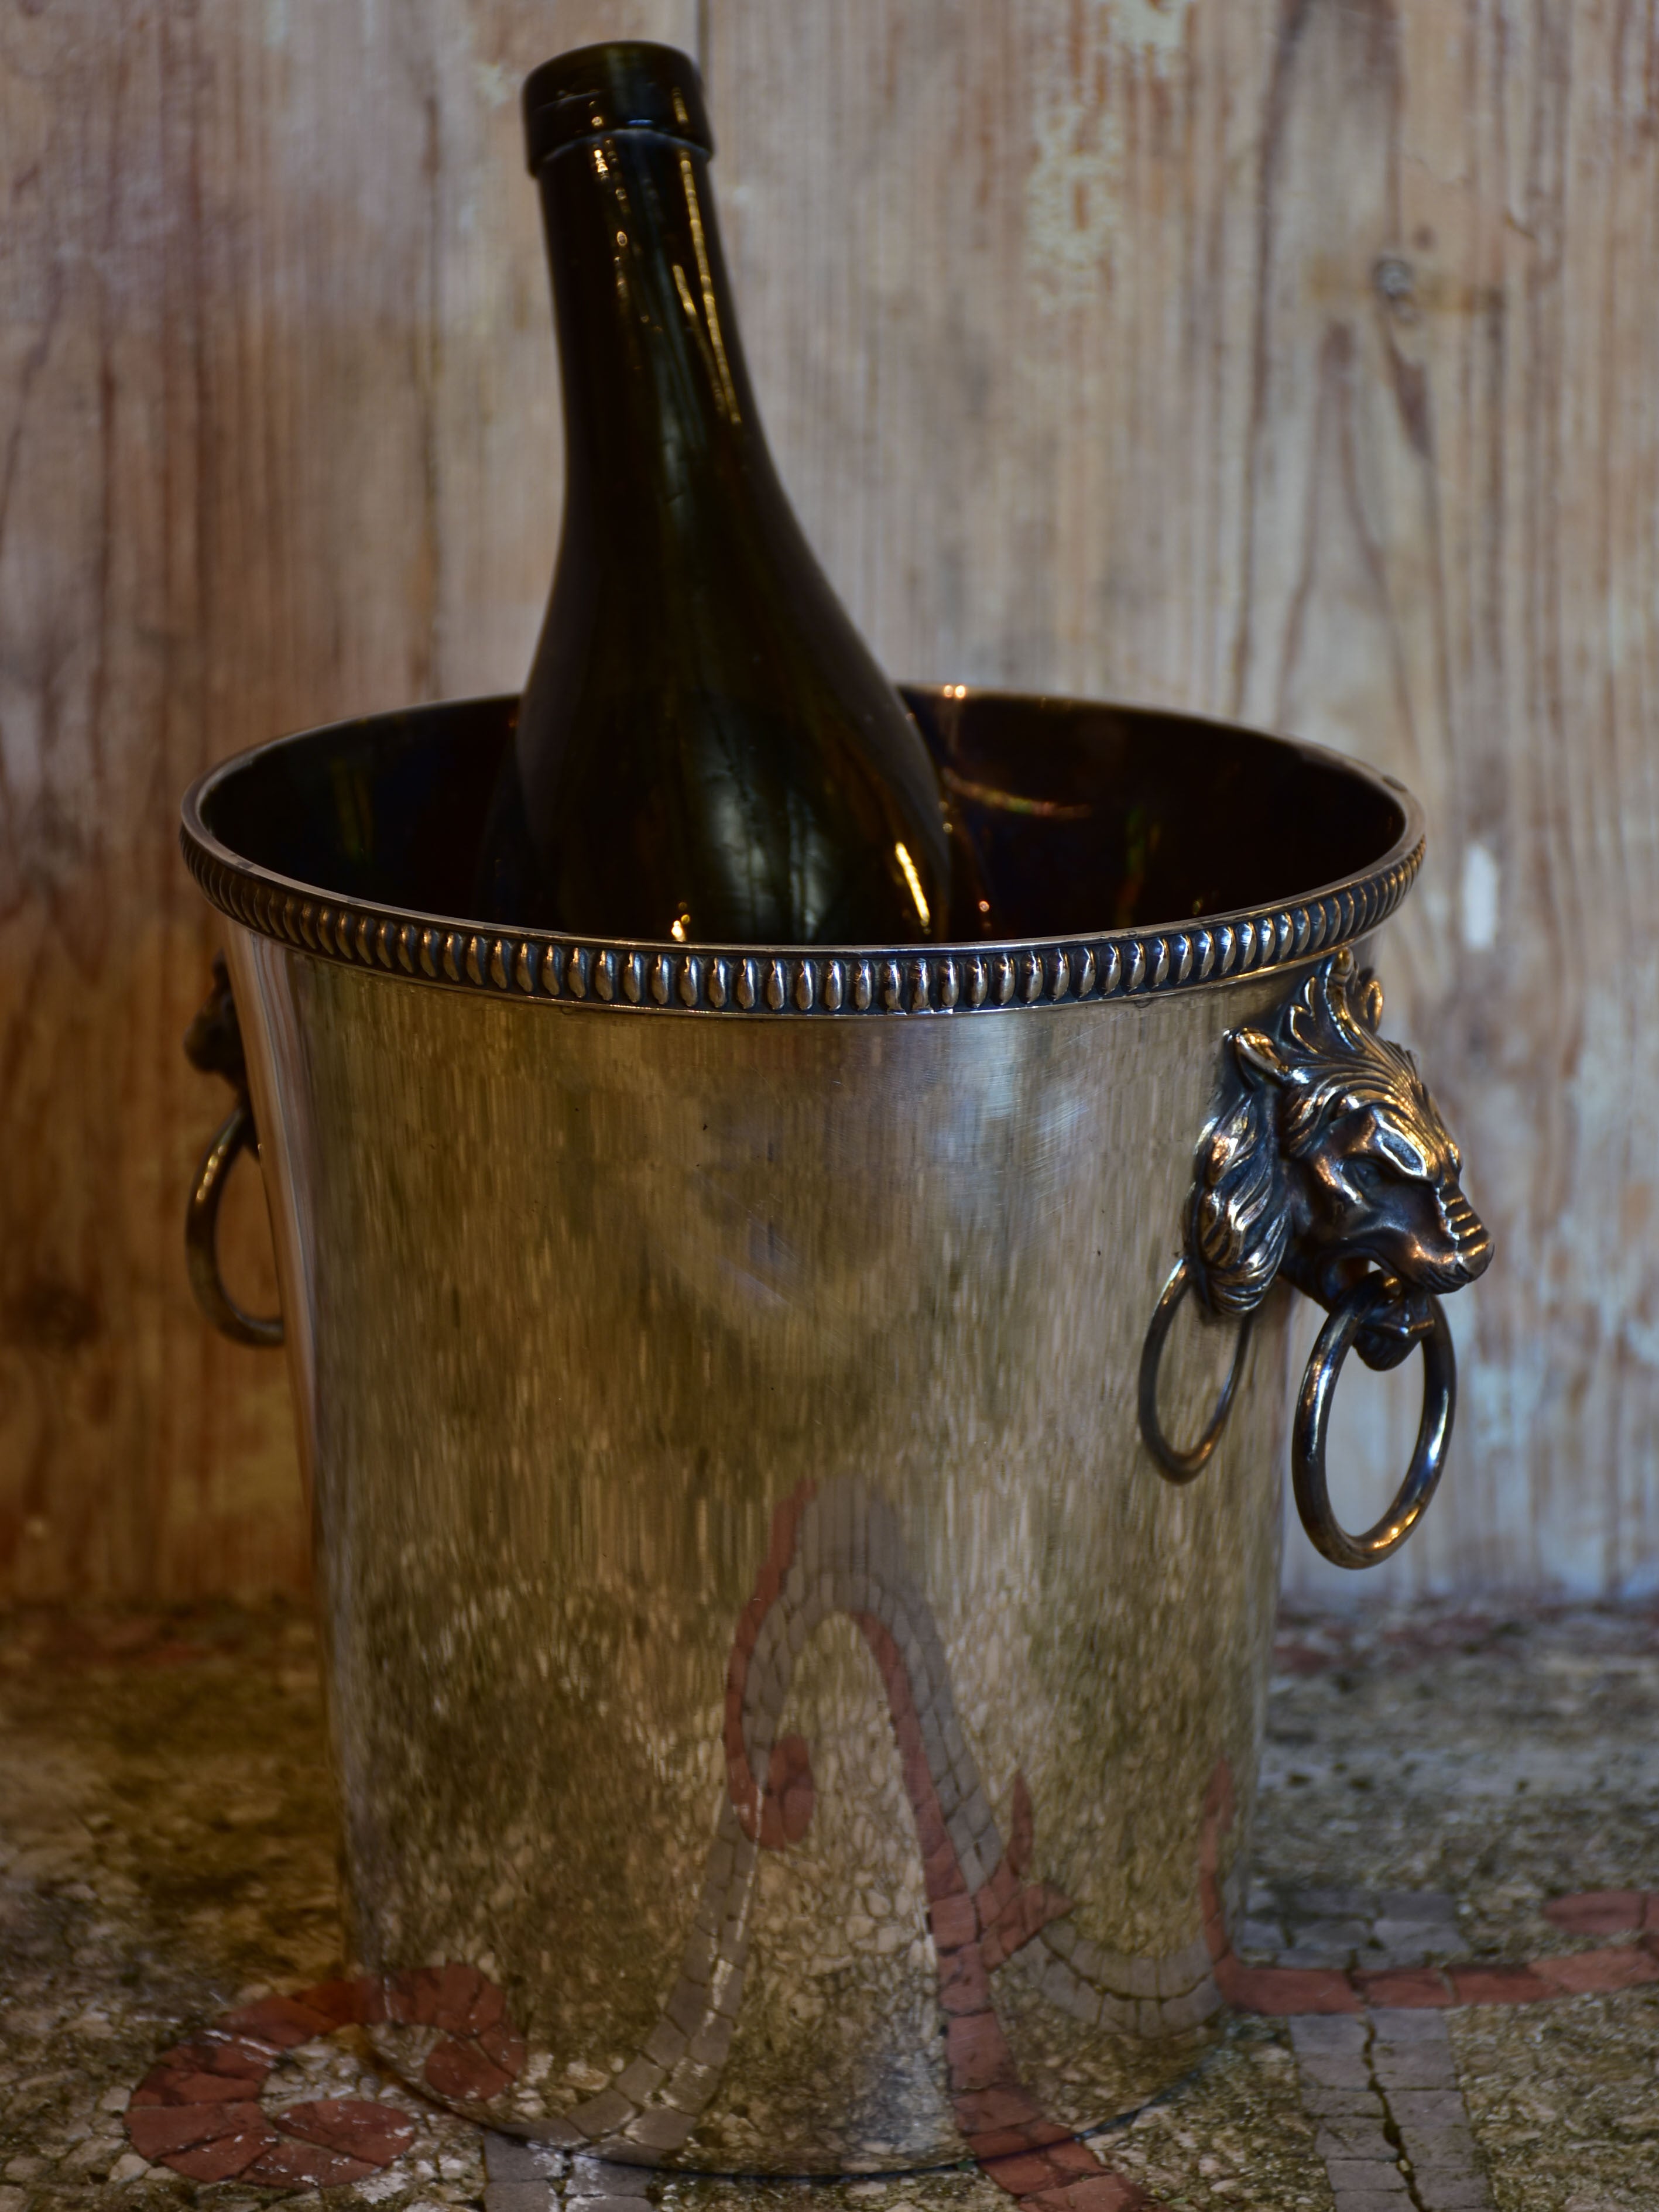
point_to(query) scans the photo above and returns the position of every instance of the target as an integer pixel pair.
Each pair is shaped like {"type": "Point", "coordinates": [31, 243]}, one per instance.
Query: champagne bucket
{"type": "Point", "coordinates": [797, 1569]}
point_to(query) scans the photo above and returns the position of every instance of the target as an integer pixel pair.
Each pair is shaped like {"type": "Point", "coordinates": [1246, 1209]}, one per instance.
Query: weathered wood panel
{"type": "Point", "coordinates": [1292, 358]}
{"type": "Point", "coordinates": [278, 421]}
{"type": "Point", "coordinates": [1299, 362]}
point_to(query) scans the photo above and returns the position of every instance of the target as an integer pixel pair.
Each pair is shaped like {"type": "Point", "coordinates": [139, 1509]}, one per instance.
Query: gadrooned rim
{"type": "Point", "coordinates": [794, 980]}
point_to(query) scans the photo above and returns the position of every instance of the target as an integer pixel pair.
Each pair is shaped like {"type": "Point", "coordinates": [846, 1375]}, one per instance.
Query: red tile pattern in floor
{"type": "Point", "coordinates": [1288, 1992]}
{"type": "Point", "coordinates": [1030, 2156]}
{"type": "Point", "coordinates": [197, 2111]}
{"type": "Point", "coordinates": [835, 1549]}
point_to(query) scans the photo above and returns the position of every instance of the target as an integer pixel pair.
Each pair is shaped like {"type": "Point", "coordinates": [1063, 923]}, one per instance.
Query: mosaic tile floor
{"type": "Point", "coordinates": [1453, 1935]}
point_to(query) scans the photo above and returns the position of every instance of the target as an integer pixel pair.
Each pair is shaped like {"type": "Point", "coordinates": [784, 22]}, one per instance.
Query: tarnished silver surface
{"type": "Point", "coordinates": [742, 982]}
{"type": "Point", "coordinates": [1327, 1164]}
{"type": "Point", "coordinates": [783, 1720]}
{"type": "Point", "coordinates": [213, 1043]}
{"type": "Point", "coordinates": [1326, 1158]}
{"type": "Point", "coordinates": [759, 1644]}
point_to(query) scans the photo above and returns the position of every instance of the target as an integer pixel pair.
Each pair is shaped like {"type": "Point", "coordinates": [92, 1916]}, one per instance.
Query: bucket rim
{"type": "Point", "coordinates": [989, 975]}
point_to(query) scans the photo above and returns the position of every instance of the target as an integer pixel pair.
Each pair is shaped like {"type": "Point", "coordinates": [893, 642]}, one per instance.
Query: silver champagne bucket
{"type": "Point", "coordinates": [796, 1586]}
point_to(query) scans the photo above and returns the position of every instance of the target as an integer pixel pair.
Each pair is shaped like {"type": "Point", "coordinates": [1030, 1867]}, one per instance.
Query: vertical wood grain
{"type": "Point", "coordinates": [277, 432]}
{"type": "Point", "coordinates": [1296, 359]}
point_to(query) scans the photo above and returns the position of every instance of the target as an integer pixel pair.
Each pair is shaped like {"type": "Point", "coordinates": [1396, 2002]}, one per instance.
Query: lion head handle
{"type": "Point", "coordinates": [1329, 1159]}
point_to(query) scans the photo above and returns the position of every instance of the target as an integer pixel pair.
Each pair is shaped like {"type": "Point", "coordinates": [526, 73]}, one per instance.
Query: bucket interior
{"type": "Point", "coordinates": [1086, 817]}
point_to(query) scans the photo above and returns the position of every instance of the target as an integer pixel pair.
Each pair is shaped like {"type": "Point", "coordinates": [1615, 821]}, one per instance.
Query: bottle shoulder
{"type": "Point", "coordinates": [709, 813]}
{"type": "Point", "coordinates": [735, 661]}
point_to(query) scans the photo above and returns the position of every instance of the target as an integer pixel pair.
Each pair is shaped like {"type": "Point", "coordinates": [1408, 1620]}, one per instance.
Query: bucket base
{"type": "Point", "coordinates": [760, 2133]}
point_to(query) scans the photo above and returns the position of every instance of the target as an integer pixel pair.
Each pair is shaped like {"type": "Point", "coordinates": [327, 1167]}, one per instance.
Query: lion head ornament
{"type": "Point", "coordinates": [1329, 1160]}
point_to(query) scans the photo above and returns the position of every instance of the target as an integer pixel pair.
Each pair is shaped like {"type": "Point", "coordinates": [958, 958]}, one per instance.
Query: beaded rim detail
{"type": "Point", "coordinates": [798, 982]}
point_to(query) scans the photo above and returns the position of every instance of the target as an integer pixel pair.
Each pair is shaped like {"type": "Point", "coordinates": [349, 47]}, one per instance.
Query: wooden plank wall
{"type": "Point", "coordinates": [1296, 359]}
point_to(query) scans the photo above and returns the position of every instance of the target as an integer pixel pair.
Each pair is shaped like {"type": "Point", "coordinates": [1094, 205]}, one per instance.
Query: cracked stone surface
{"type": "Point", "coordinates": [1434, 1779]}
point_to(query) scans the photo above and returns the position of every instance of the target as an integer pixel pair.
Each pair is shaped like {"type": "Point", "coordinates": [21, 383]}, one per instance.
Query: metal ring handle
{"type": "Point", "coordinates": [202, 1236]}
{"type": "Point", "coordinates": [1182, 1466]}
{"type": "Point", "coordinates": [1313, 1413]}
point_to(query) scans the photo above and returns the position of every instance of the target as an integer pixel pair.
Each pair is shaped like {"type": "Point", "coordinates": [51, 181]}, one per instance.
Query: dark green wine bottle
{"type": "Point", "coordinates": [705, 750]}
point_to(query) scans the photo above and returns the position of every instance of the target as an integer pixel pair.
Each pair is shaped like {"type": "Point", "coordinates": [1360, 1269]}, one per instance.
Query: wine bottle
{"type": "Point", "coordinates": [705, 751]}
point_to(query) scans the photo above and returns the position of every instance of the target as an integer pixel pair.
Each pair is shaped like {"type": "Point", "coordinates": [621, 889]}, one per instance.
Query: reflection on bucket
{"type": "Point", "coordinates": [592, 1253]}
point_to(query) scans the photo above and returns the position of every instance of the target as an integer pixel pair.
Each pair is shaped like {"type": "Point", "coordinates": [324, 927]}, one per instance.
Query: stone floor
{"type": "Point", "coordinates": [1443, 1789]}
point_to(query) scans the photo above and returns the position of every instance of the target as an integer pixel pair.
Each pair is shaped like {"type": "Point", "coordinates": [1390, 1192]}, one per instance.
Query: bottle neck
{"type": "Point", "coordinates": [658, 411]}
